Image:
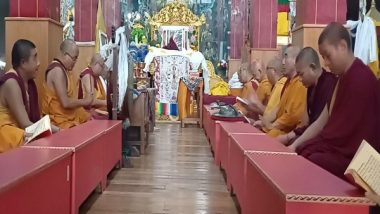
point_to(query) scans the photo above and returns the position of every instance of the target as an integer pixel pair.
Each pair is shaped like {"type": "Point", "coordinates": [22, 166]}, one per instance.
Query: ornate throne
{"type": "Point", "coordinates": [176, 19]}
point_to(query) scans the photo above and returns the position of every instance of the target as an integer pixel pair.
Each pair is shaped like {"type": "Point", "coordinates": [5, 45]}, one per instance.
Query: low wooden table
{"type": "Point", "coordinates": [95, 149]}
{"type": "Point", "coordinates": [197, 117]}
{"type": "Point", "coordinates": [240, 146]}
{"type": "Point", "coordinates": [35, 181]}
{"type": "Point", "coordinates": [290, 184]}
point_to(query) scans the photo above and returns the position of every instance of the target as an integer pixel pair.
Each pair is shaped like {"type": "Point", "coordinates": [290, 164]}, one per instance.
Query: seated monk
{"type": "Point", "coordinates": [353, 115]}
{"type": "Point", "coordinates": [90, 83]}
{"type": "Point", "coordinates": [60, 100]}
{"type": "Point", "coordinates": [275, 77]}
{"type": "Point", "coordinates": [265, 86]}
{"type": "Point", "coordinates": [270, 77]}
{"type": "Point", "coordinates": [19, 106]}
{"type": "Point", "coordinates": [247, 76]}
{"type": "Point", "coordinates": [320, 84]}
{"type": "Point", "coordinates": [293, 101]}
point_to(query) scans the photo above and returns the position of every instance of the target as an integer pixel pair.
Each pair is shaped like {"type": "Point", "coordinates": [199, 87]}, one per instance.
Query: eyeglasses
{"type": "Point", "coordinates": [71, 57]}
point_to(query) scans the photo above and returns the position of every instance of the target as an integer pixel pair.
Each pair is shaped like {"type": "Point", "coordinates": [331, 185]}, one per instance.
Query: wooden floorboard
{"type": "Point", "coordinates": [177, 175]}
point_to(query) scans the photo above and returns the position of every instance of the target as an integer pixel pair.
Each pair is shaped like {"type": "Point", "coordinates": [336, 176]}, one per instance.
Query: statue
{"type": "Point", "coordinates": [68, 29]}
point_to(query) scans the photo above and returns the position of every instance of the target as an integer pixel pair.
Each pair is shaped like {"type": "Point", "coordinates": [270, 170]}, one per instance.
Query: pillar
{"type": "Point", "coordinates": [264, 24]}
{"type": "Point", "coordinates": [85, 18]}
{"type": "Point", "coordinates": [37, 21]}
{"type": "Point", "coordinates": [4, 12]}
{"type": "Point", "coordinates": [35, 9]}
{"type": "Point", "coordinates": [239, 27]}
{"type": "Point", "coordinates": [312, 16]}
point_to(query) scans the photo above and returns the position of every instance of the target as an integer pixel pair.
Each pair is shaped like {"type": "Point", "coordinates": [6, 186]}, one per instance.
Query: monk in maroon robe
{"type": "Point", "coordinates": [353, 115]}
{"type": "Point", "coordinates": [320, 87]}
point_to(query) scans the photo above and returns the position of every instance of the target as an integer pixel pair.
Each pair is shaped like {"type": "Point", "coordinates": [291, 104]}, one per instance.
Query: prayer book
{"type": "Point", "coordinates": [101, 112]}
{"type": "Point", "coordinates": [364, 168]}
{"type": "Point", "coordinates": [39, 129]}
{"type": "Point", "coordinates": [239, 99]}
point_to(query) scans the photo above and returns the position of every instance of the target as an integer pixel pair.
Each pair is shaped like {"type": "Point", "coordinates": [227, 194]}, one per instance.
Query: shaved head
{"type": "Point", "coordinates": [292, 51]}
{"type": "Point", "coordinates": [97, 58]}
{"type": "Point", "coordinates": [68, 46]}
{"type": "Point", "coordinates": [274, 70]}
{"type": "Point", "coordinates": [69, 53]}
{"type": "Point", "coordinates": [334, 33]}
{"type": "Point", "coordinates": [308, 56]}
{"type": "Point", "coordinates": [289, 61]}
{"type": "Point", "coordinates": [275, 64]}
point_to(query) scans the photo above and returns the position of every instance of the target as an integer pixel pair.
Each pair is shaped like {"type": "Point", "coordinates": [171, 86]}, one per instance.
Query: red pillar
{"type": "Point", "coordinates": [35, 8]}
{"type": "Point", "coordinates": [85, 18]}
{"type": "Point", "coordinates": [264, 23]}
{"type": "Point", "coordinates": [111, 12]}
{"type": "Point", "coordinates": [320, 11]}
{"type": "Point", "coordinates": [239, 26]}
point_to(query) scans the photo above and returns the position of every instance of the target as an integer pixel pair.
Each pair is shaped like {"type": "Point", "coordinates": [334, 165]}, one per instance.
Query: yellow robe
{"type": "Point", "coordinates": [183, 101]}
{"type": "Point", "coordinates": [275, 96]}
{"type": "Point", "coordinates": [247, 90]}
{"type": "Point", "coordinates": [264, 91]}
{"type": "Point", "coordinates": [11, 136]}
{"type": "Point", "coordinates": [291, 108]}
{"type": "Point", "coordinates": [100, 92]}
{"type": "Point", "coordinates": [185, 107]}
{"type": "Point", "coordinates": [60, 116]}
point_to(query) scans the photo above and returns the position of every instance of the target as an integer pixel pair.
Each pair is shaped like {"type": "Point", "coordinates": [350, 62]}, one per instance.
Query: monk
{"type": "Point", "coordinates": [90, 83]}
{"type": "Point", "coordinates": [353, 115]}
{"type": "Point", "coordinates": [293, 101]}
{"type": "Point", "coordinates": [274, 76]}
{"type": "Point", "coordinates": [320, 84]}
{"type": "Point", "coordinates": [60, 101]}
{"type": "Point", "coordinates": [247, 76]}
{"type": "Point", "coordinates": [265, 87]}
{"type": "Point", "coordinates": [19, 106]}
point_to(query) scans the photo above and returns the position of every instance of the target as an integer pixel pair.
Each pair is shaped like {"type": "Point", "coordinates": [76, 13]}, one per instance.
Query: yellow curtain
{"type": "Point", "coordinates": [282, 24]}
{"type": "Point", "coordinates": [100, 26]}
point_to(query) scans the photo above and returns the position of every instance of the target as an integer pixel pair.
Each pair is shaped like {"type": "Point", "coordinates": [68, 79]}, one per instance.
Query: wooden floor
{"type": "Point", "coordinates": [176, 176]}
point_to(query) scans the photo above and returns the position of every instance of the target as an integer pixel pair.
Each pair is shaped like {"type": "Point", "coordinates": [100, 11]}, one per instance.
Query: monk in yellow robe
{"type": "Point", "coordinates": [60, 100]}
{"type": "Point", "coordinates": [274, 75]}
{"type": "Point", "coordinates": [18, 96]}
{"type": "Point", "coordinates": [278, 81]}
{"type": "Point", "coordinates": [247, 75]}
{"type": "Point", "coordinates": [265, 87]}
{"type": "Point", "coordinates": [90, 83]}
{"type": "Point", "coordinates": [293, 101]}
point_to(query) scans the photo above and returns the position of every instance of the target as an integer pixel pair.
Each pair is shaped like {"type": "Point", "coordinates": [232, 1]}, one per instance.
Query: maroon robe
{"type": "Point", "coordinates": [355, 117]}
{"type": "Point", "coordinates": [317, 98]}
{"type": "Point", "coordinates": [32, 107]}
{"type": "Point", "coordinates": [87, 71]}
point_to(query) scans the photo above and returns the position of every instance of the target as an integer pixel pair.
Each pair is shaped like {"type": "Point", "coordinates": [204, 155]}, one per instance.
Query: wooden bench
{"type": "Point", "coordinates": [290, 184]}
{"type": "Point", "coordinates": [96, 147]}
{"type": "Point", "coordinates": [35, 181]}
{"type": "Point", "coordinates": [242, 144]}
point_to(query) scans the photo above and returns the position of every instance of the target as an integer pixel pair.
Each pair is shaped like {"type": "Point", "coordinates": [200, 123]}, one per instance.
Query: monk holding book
{"type": "Point", "coordinates": [19, 106]}
{"type": "Point", "coordinates": [353, 114]}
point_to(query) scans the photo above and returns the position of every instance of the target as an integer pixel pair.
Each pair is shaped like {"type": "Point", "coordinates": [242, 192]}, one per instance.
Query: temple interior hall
{"type": "Point", "coordinates": [189, 106]}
